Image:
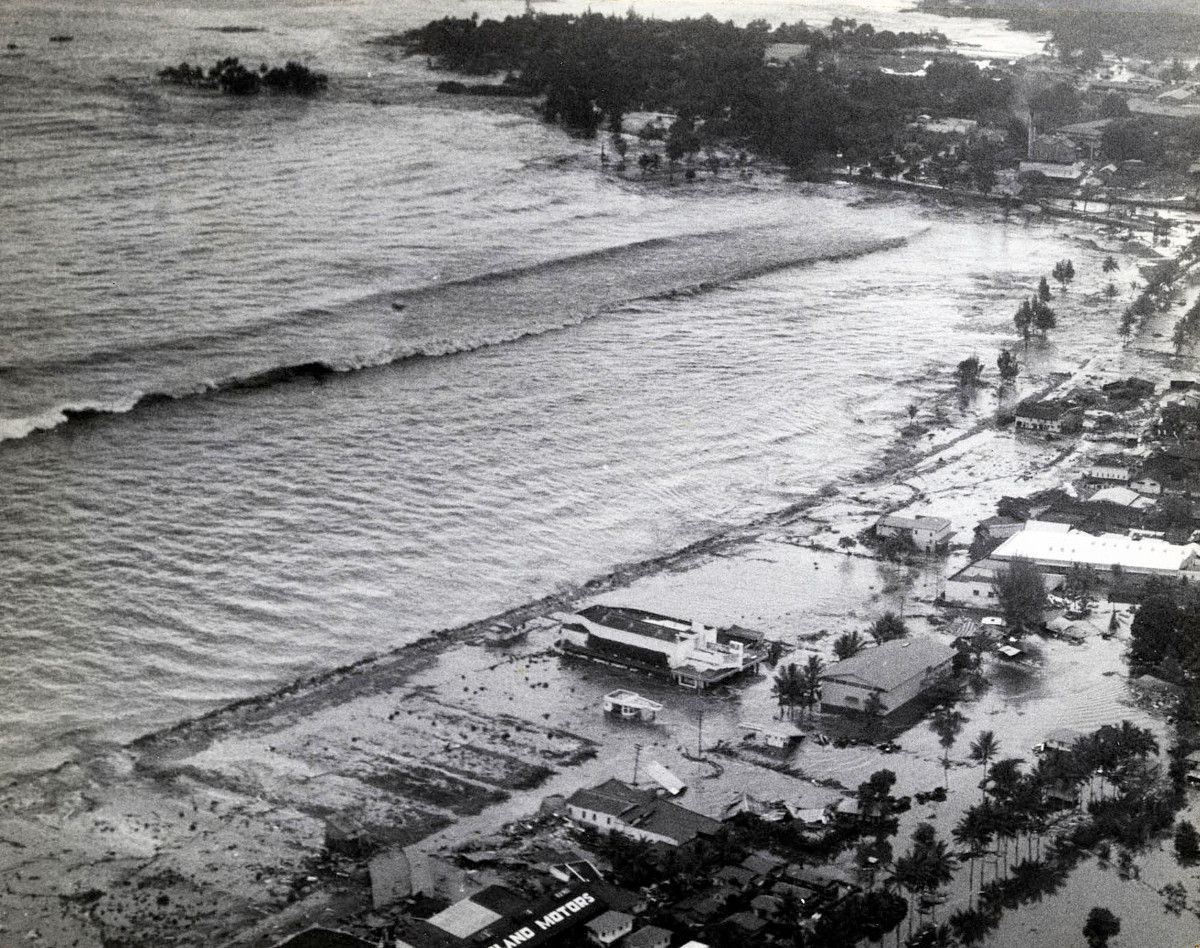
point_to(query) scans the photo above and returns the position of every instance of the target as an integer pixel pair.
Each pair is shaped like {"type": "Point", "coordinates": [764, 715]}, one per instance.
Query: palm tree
{"type": "Point", "coordinates": [786, 686]}
{"type": "Point", "coordinates": [848, 644]}
{"type": "Point", "coordinates": [810, 682]}
{"type": "Point", "coordinates": [983, 749]}
{"type": "Point", "coordinates": [947, 723]}
{"type": "Point", "coordinates": [974, 831]}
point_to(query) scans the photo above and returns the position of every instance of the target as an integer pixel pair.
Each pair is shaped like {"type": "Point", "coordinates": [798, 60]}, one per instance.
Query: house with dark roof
{"type": "Point", "coordinates": [897, 672]}
{"type": "Point", "coordinates": [1055, 417]}
{"type": "Point", "coordinates": [616, 807]}
{"type": "Point", "coordinates": [651, 936]}
{"type": "Point", "coordinates": [324, 938]}
{"type": "Point", "coordinates": [1112, 469]}
{"type": "Point", "coordinates": [744, 923]}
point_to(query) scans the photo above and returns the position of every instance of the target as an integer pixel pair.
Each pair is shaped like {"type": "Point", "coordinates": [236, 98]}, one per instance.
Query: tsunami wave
{"type": "Point", "coordinates": [425, 342]}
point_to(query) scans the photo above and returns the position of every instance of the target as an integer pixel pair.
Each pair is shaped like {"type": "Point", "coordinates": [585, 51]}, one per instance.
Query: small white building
{"type": "Point", "coordinates": [897, 671]}
{"type": "Point", "coordinates": [972, 585]}
{"type": "Point", "coordinates": [927, 533]}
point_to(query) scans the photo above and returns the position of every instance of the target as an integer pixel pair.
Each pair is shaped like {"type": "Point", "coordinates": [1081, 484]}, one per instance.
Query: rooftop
{"type": "Point", "coordinates": [1058, 543]}
{"type": "Point", "coordinates": [921, 521]}
{"type": "Point", "coordinates": [892, 663]}
{"type": "Point", "coordinates": [638, 621]}
{"type": "Point", "coordinates": [612, 797]}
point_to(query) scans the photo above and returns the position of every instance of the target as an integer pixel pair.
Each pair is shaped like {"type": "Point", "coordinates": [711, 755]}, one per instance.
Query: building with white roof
{"type": "Point", "coordinates": [1058, 546]}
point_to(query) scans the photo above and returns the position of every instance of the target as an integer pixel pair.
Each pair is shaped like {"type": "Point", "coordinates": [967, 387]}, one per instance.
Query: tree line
{"type": "Point", "coordinates": [594, 69]}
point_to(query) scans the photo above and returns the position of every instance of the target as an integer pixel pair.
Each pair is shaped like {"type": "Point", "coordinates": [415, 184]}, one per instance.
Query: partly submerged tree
{"type": "Point", "coordinates": [1043, 316]}
{"type": "Point", "coordinates": [1023, 319]}
{"type": "Point", "coordinates": [1007, 365]}
{"type": "Point", "coordinates": [1063, 272]}
{"type": "Point", "coordinates": [1101, 925]}
{"type": "Point", "coordinates": [947, 723]}
{"type": "Point", "coordinates": [968, 372]}
{"type": "Point", "coordinates": [887, 627]}
{"type": "Point", "coordinates": [1021, 594]}
{"type": "Point", "coordinates": [848, 644]}
{"type": "Point", "coordinates": [983, 749]}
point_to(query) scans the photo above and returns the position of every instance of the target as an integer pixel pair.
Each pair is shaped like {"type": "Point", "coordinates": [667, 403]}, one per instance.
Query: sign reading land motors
{"type": "Point", "coordinates": [550, 919]}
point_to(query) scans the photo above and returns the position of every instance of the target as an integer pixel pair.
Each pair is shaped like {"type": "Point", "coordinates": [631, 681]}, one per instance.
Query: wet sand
{"type": "Point", "coordinates": [211, 831]}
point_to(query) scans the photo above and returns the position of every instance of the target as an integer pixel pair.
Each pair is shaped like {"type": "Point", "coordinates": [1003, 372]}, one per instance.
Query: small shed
{"type": "Point", "coordinates": [630, 705]}
{"type": "Point", "coordinates": [777, 734]}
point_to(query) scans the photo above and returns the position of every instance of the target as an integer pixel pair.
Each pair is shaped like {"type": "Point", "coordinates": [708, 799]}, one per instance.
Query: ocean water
{"type": "Point", "coordinates": [585, 372]}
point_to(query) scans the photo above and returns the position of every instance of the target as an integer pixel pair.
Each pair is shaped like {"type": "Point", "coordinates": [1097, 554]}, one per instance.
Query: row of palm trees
{"type": "Point", "coordinates": [1018, 803]}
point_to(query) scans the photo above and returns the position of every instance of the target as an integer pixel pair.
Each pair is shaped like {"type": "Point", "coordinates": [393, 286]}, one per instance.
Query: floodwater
{"type": "Point", "coordinates": [182, 525]}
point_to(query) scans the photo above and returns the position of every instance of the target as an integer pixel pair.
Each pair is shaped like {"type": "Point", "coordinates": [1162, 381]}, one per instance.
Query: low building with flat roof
{"type": "Point", "coordinates": [1058, 547]}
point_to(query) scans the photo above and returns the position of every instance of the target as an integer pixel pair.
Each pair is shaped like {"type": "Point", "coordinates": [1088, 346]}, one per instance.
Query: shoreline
{"type": "Point", "coordinates": [216, 761]}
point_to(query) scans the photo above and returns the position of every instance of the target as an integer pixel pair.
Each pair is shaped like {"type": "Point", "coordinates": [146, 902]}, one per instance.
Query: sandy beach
{"type": "Point", "coordinates": [212, 831]}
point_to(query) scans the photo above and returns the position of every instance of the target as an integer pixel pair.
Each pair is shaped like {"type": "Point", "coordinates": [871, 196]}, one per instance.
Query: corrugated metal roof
{"type": "Point", "coordinates": [892, 663]}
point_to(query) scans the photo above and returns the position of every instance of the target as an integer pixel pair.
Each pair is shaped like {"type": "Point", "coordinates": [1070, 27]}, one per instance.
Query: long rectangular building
{"type": "Point", "coordinates": [1058, 547]}
{"type": "Point", "coordinates": [694, 655]}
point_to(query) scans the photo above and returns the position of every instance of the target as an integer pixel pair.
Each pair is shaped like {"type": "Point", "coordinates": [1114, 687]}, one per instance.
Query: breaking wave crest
{"type": "Point", "coordinates": [425, 341]}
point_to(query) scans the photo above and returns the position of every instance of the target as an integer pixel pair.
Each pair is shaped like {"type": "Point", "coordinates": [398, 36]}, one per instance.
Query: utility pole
{"type": "Point", "coordinates": [637, 753]}
{"type": "Point", "coordinates": [700, 734]}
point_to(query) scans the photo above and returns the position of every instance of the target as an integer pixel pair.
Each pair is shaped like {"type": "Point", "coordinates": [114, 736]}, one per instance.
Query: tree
{"type": "Point", "coordinates": [787, 687]}
{"type": "Point", "coordinates": [1021, 594]}
{"type": "Point", "coordinates": [1101, 925]}
{"type": "Point", "coordinates": [946, 724]}
{"type": "Point", "coordinates": [1111, 290]}
{"type": "Point", "coordinates": [1007, 365]}
{"type": "Point", "coordinates": [1064, 273]}
{"type": "Point", "coordinates": [1110, 264]}
{"type": "Point", "coordinates": [887, 627]}
{"type": "Point", "coordinates": [848, 644]}
{"type": "Point", "coordinates": [1043, 316]}
{"type": "Point", "coordinates": [1024, 321]}
{"type": "Point", "coordinates": [1043, 291]}
{"type": "Point", "coordinates": [810, 682]}
{"type": "Point", "coordinates": [1155, 633]}
{"type": "Point", "coordinates": [1187, 842]}
{"type": "Point", "coordinates": [1079, 584]}
{"type": "Point", "coordinates": [968, 372]}
{"type": "Point", "coordinates": [983, 749]}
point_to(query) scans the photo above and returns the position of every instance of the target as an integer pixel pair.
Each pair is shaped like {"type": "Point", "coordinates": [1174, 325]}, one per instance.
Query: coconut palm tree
{"type": "Point", "coordinates": [983, 749]}
{"type": "Point", "coordinates": [848, 644]}
{"type": "Point", "coordinates": [786, 687]}
{"type": "Point", "coordinates": [810, 682]}
{"type": "Point", "coordinates": [947, 723]}
{"type": "Point", "coordinates": [974, 832]}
